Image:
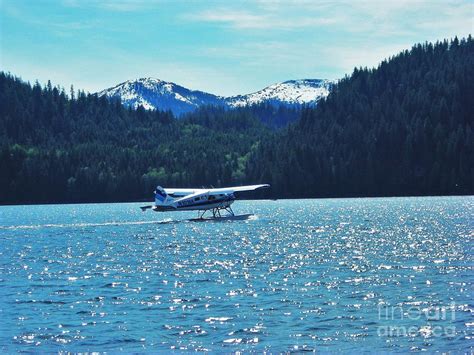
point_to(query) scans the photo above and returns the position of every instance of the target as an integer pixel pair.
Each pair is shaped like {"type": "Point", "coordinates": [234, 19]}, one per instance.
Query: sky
{"type": "Point", "coordinates": [222, 47]}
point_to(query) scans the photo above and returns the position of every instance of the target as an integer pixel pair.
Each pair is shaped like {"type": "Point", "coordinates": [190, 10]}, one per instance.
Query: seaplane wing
{"type": "Point", "coordinates": [231, 190]}
{"type": "Point", "coordinates": [182, 192]}
{"type": "Point", "coordinates": [226, 190]}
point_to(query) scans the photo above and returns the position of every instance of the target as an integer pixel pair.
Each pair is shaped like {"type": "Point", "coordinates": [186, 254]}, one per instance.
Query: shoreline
{"type": "Point", "coordinates": [239, 199]}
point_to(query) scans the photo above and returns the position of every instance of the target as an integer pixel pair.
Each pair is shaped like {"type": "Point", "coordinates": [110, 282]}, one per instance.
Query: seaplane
{"type": "Point", "coordinates": [201, 200]}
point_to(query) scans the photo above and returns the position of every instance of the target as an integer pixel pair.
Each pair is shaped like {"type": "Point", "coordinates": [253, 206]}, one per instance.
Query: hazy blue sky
{"type": "Point", "coordinates": [224, 47]}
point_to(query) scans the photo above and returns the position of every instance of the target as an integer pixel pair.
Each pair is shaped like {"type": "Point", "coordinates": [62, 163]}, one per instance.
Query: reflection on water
{"type": "Point", "coordinates": [344, 274]}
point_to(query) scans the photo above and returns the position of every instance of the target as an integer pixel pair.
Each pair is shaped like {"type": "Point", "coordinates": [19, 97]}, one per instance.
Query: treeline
{"type": "Point", "coordinates": [404, 128]}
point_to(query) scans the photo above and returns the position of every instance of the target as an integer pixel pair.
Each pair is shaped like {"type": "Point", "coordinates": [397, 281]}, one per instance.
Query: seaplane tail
{"type": "Point", "coordinates": [162, 198]}
{"type": "Point", "coordinates": [163, 201]}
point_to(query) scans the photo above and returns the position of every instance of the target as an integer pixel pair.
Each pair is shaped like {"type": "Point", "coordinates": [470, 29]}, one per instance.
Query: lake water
{"type": "Point", "coordinates": [384, 274]}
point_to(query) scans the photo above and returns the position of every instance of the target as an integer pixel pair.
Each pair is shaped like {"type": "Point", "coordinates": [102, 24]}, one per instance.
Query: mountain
{"type": "Point", "coordinates": [291, 92]}
{"type": "Point", "coordinates": [151, 93]}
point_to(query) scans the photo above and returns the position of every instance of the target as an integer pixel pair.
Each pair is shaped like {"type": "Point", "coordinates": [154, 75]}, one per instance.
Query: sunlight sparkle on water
{"type": "Point", "coordinates": [340, 274]}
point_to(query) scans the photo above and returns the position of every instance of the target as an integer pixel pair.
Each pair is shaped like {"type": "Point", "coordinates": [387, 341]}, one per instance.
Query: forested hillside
{"type": "Point", "coordinates": [56, 149]}
{"type": "Point", "coordinates": [404, 128]}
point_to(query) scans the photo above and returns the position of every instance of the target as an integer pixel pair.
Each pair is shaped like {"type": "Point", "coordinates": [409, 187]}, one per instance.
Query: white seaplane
{"type": "Point", "coordinates": [201, 200]}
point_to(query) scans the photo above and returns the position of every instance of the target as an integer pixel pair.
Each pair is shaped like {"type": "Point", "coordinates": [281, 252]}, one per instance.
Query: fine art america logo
{"type": "Point", "coordinates": [405, 321]}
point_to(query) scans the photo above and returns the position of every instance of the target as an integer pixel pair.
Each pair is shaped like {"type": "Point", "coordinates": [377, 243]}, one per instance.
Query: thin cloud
{"type": "Point", "coordinates": [401, 17]}
{"type": "Point", "coordinates": [236, 19]}
{"type": "Point", "coordinates": [259, 20]}
{"type": "Point", "coordinates": [114, 5]}
{"type": "Point", "coordinates": [59, 26]}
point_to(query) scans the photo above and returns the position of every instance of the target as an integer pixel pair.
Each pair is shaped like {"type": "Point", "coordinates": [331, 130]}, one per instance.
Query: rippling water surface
{"type": "Point", "coordinates": [388, 274]}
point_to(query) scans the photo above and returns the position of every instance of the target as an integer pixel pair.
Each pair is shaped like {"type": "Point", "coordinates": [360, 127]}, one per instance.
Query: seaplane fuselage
{"type": "Point", "coordinates": [204, 202]}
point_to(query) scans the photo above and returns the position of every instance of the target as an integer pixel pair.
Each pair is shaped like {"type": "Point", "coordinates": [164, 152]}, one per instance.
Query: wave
{"type": "Point", "coordinates": [85, 225]}
{"type": "Point", "coordinates": [243, 217]}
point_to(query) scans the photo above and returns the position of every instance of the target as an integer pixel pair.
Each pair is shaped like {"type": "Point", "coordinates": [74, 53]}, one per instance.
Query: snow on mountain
{"type": "Point", "coordinates": [291, 92]}
{"type": "Point", "coordinates": [157, 94]}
